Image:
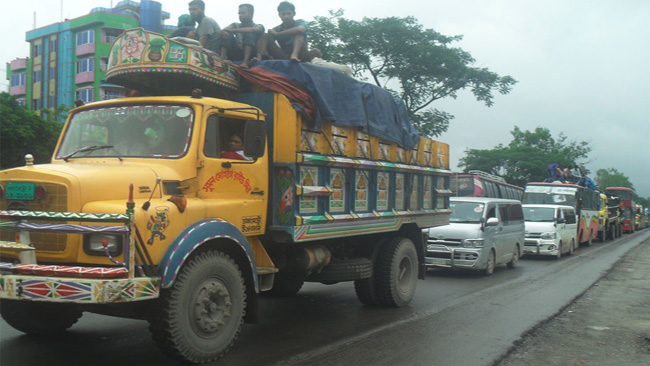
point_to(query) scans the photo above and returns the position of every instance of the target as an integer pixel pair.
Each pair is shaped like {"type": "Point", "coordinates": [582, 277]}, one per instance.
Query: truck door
{"type": "Point", "coordinates": [234, 186]}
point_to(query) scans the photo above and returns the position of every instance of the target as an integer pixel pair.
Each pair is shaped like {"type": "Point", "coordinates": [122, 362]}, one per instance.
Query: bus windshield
{"type": "Point", "coordinates": [550, 199]}
{"type": "Point", "coordinates": [462, 186]}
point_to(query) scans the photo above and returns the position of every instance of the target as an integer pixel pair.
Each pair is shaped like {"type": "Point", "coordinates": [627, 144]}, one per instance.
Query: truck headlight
{"type": "Point", "coordinates": [473, 243]}
{"type": "Point", "coordinates": [549, 235]}
{"type": "Point", "coordinates": [94, 244]}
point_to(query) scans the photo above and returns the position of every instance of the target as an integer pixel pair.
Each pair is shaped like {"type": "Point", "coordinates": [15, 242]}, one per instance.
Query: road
{"type": "Point", "coordinates": [456, 318]}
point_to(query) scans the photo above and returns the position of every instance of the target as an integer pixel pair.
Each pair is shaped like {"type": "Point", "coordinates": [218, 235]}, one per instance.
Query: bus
{"type": "Point", "coordinates": [626, 198]}
{"type": "Point", "coordinates": [476, 183]}
{"type": "Point", "coordinates": [584, 200]}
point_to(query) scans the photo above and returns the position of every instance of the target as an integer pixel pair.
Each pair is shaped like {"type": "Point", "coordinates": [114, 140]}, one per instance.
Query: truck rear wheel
{"type": "Point", "coordinates": [396, 272]}
{"type": "Point", "coordinates": [366, 291]}
{"type": "Point", "coordinates": [39, 318]}
{"type": "Point", "coordinates": [200, 316]}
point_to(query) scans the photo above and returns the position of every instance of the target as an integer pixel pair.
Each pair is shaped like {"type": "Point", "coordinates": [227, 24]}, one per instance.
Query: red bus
{"type": "Point", "coordinates": [626, 198]}
{"type": "Point", "coordinates": [476, 183]}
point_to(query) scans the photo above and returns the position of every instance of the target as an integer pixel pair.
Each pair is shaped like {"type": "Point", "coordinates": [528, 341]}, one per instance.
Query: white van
{"type": "Point", "coordinates": [550, 230]}
{"type": "Point", "coordinates": [482, 233]}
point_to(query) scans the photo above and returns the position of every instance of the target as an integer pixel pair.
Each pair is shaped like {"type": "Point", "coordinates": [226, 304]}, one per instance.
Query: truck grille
{"type": "Point", "coordinates": [57, 201]}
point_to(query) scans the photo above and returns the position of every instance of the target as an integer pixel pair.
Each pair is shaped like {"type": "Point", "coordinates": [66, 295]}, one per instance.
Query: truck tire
{"type": "Point", "coordinates": [366, 291]}
{"type": "Point", "coordinates": [611, 232]}
{"type": "Point", "coordinates": [396, 272]}
{"type": "Point", "coordinates": [286, 284]}
{"type": "Point", "coordinates": [39, 318]}
{"type": "Point", "coordinates": [199, 318]}
{"type": "Point", "coordinates": [344, 270]}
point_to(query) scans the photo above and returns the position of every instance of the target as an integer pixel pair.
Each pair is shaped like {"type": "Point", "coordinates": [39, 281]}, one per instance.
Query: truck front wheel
{"type": "Point", "coordinates": [38, 318]}
{"type": "Point", "coordinates": [396, 273]}
{"type": "Point", "coordinates": [200, 316]}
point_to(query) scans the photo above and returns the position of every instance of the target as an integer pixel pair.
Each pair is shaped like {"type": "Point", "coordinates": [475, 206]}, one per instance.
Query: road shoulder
{"type": "Point", "coordinates": [608, 325]}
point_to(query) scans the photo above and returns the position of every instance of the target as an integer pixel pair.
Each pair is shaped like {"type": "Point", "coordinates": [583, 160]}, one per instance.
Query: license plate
{"type": "Point", "coordinates": [19, 191]}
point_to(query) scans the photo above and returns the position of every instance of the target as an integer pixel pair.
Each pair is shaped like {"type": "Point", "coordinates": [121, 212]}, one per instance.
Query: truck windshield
{"type": "Point", "coordinates": [466, 212]}
{"type": "Point", "coordinates": [151, 131]}
{"type": "Point", "coordinates": [539, 214]}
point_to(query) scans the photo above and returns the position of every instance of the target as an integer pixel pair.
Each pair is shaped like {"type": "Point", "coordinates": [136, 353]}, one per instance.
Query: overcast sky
{"type": "Point", "coordinates": [583, 66]}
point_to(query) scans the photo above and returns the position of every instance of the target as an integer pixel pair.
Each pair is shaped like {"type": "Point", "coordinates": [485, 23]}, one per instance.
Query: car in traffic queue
{"type": "Point", "coordinates": [482, 233]}
{"type": "Point", "coordinates": [551, 230]}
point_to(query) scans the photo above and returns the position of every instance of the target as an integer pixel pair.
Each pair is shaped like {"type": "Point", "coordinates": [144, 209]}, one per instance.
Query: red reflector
{"type": "Point", "coordinates": [40, 192]}
{"type": "Point", "coordinates": [104, 242]}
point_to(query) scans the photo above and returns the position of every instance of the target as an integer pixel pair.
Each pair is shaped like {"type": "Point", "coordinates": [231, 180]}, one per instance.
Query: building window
{"type": "Point", "coordinates": [18, 79]}
{"type": "Point", "coordinates": [111, 34]}
{"type": "Point", "coordinates": [86, 95]}
{"type": "Point", "coordinates": [85, 65]}
{"type": "Point", "coordinates": [21, 102]}
{"type": "Point", "coordinates": [36, 104]}
{"type": "Point", "coordinates": [85, 37]}
{"type": "Point", "coordinates": [53, 45]}
{"type": "Point", "coordinates": [52, 72]}
{"type": "Point", "coordinates": [50, 101]}
{"type": "Point", "coordinates": [37, 76]}
{"type": "Point", "coordinates": [103, 63]}
{"type": "Point", "coordinates": [37, 50]}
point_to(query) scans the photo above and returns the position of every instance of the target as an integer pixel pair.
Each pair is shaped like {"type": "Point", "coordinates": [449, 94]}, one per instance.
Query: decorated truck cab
{"type": "Point", "coordinates": [181, 209]}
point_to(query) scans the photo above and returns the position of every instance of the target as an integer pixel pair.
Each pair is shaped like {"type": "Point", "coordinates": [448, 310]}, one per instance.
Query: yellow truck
{"type": "Point", "coordinates": [152, 209]}
{"type": "Point", "coordinates": [609, 218]}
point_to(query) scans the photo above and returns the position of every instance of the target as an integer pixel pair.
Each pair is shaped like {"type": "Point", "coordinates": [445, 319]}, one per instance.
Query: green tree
{"type": "Point", "coordinates": [418, 65]}
{"type": "Point", "coordinates": [612, 178]}
{"type": "Point", "coordinates": [23, 132]}
{"type": "Point", "coordinates": [526, 157]}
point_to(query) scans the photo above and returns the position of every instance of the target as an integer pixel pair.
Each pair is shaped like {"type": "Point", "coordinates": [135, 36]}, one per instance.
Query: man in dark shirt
{"type": "Point", "coordinates": [185, 27]}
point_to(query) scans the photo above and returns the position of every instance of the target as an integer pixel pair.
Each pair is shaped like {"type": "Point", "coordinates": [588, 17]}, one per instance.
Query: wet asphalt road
{"type": "Point", "coordinates": [456, 318]}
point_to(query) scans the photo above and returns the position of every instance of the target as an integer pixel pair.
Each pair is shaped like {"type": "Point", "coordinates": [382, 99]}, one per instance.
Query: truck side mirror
{"type": "Point", "coordinates": [254, 138]}
{"type": "Point", "coordinates": [561, 220]}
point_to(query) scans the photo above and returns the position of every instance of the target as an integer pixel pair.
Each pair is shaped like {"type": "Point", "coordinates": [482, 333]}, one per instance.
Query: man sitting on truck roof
{"type": "Point", "coordinates": [287, 41]}
{"type": "Point", "coordinates": [208, 32]}
{"type": "Point", "coordinates": [185, 27]}
{"type": "Point", "coordinates": [240, 40]}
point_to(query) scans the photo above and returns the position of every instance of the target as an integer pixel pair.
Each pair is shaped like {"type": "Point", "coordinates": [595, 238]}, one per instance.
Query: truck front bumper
{"type": "Point", "coordinates": [78, 290]}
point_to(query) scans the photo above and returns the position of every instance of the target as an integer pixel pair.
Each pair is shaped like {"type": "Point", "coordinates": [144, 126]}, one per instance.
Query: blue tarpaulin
{"type": "Point", "coordinates": [339, 98]}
